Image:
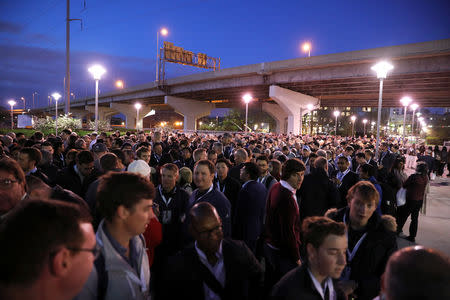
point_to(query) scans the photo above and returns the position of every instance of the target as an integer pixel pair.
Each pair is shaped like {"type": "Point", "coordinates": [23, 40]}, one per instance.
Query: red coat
{"type": "Point", "coordinates": [153, 237]}
{"type": "Point", "coordinates": [283, 221]}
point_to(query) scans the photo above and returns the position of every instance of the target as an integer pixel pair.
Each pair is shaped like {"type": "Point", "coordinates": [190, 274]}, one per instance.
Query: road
{"type": "Point", "coordinates": [434, 225]}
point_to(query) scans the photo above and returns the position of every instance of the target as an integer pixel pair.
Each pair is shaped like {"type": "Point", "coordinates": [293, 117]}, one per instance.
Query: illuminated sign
{"type": "Point", "coordinates": [178, 55]}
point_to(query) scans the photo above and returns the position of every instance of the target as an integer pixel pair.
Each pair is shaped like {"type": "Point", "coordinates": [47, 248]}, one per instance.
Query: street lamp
{"type": "Point", "coordinates": [34, 93]}
{"type": "Point", "coordinates": [307, 48]}
{"type": "Point", "coordinates": [382, 68]}
{"type": "Point", "coordinates": [405, 102]}
{"type": "Point", "coordinates": [336, 115]}
{"type": "Point", "coordinates": [12, 103]}
{"type": "Point", "coordinates": [56, 96]}
{"type": "Point", "coordinates": [414, 106]}
{"type": "Point", "coordinates": [138, 107]}
{"type": "Point", "coordinates": [247, 98]}
{"type": "Point", "coordinates": [365, 122]}
{"type": "Point", "coordinates": [119, 84]}
{"type": "Point", "coordinates": [163, 32]}
{"type": "Point", "coordinates": [97, 71]}
{"type": "Point", "coordinates": [24, 102]}
{"type": "Point", "coordinates": [353, 118]}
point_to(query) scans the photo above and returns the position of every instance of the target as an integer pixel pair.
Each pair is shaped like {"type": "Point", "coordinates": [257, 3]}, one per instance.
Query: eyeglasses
{"type": "Point", "coordinates": [207, 233]}
{"type": "Point", "coordinates": [95, 251]}
{"type": "Point", "coordinates": [4, 183]}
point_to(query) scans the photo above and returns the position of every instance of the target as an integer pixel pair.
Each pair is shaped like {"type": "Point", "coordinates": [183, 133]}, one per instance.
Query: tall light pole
{"type": "Point", "coordinates": [34, 93]}
{"type": "Point", "coordinates": [307, 48]}
{"type": "Point", "coordinates": [247, 98]}
{"type": "Point", "coordinates": [310, 107]}
{"type": "Point", "coordinates": [336, 115]}
{"type": "Point", "coordinates": [97, 72]}
{"type": "Point", "coordinates": [12, 103]}
{"type": "Point", "coordinates": [405, 102]}
{"type": "Point", "coordinates": [56, 96]}
{"type": "Point", "coordinates": [414, 106]}
{"type": "Point", "coordinates": [138, 107]}
{"type": "Point", "coordinates": [353, 118]}
{"type": "Point", "coordinates": [382, 68]}
{"type": "Point", "coordinates": [163, 32]}
{"type": "Point", "coordinates": [24, 102]}
{"type": "Point", "coordinates": [364, 122]}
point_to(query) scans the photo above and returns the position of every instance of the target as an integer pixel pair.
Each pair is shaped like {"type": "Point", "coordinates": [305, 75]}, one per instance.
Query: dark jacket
{"type": "Point", "coordinates": [248, 222]}
{"type": "Point", "coordinates": [230, 190]}
{"type": "Point", "coordinates": [185, 274]}
{"type": "Point", "coordinates": [220, 202]}
{"type": "Point", "coordinates": [297, 284]}
{"type": "Point", "coordinates": [68, 179]}
{"type": "Point", "coordinates": [282, 228]}
{"type": "Point", "coordinates": [349, 180]}
{"type": "Point", "coordinates": [235, 172]}
{"type": "Point", "coordinates": [50, 170]}
{"type": "Point", "coordinates": [317, 194]}
{"type": "Point", "coordinates": [415, 187]}
{"type": "Point", "coordinates": [370, 260]}
{"type": "Point", "coordinates": [172, 217]}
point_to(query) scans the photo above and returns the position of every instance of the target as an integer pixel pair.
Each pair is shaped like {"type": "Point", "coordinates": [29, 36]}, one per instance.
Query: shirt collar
{"type": "Point", "coordinates": [288, 186]}
{"type": "Point", "coordinates": [345, 172]}
{"type": "Point", "coordinates": [32, 171]}
{"type": "Point", "coordinates": [246, 183]}
{"type": "Point", "coordinates": [202, 255]}
{"type": "Point", "coordinates": [318, 286]}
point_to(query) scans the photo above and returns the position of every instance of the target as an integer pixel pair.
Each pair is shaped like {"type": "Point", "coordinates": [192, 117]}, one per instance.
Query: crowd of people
{"type": "Point", "coordinates": [169, 215]}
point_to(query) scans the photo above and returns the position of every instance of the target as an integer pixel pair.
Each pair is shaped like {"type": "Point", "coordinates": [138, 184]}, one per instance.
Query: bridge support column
{"type": "Point", "coordinates": [79, 113]}
{"type": "Point", "coordinates": [190, 109]}
{"type": "Point", "coordinates": [278, 114]}
{"type": "Point", "coordinates": [104, 113]}
{"type": "Point", "coordinates": [294, 104]}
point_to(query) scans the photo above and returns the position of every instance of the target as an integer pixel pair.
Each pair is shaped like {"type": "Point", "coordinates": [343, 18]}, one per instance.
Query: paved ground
{"type": "Point", "coordinates": [434, 224]}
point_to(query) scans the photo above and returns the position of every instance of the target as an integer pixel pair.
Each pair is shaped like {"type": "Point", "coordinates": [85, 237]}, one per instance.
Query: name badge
{"type": "Point", "coordinates": [166, 216]}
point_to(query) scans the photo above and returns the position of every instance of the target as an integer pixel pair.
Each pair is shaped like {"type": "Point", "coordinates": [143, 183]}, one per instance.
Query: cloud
{"type": "Point", "coordinates": [8, 27]}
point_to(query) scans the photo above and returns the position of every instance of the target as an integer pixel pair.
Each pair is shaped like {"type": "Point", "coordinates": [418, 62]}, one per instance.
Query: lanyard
{"type": "Point", "coordinates": [352, 254]}
{"type": "Point", "coordinates": [164, 198]}
{"type": "Point", "coordinates": [210, 189]}
{"type": "Point", "coordinates": [218, 186]}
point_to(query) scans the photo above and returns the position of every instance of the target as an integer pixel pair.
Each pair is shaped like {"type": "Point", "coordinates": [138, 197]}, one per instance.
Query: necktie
{"type": "Point", "coordinates": [326, 294]}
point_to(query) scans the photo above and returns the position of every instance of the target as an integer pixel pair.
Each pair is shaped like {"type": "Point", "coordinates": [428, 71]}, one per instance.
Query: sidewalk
{"type": "Point", "coordinates": [434, 226]}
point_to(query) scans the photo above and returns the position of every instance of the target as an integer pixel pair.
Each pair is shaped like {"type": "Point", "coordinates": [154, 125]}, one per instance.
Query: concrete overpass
{"type": "Point", "coordinates": [284, 88]}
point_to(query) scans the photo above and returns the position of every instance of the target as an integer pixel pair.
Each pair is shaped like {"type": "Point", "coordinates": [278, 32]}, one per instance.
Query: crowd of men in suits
{"type": "Point", "coordinates": [168, 215]}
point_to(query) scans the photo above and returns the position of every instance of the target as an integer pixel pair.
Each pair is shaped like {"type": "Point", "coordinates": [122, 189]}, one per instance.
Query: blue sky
{"type": "Point", "coordinates": [121, 35]}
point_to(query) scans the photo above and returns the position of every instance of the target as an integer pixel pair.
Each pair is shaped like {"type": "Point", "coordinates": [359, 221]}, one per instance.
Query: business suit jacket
{"type": "Point", "coordinates": [317, 194]}
{"type": "Point", "coordinates": [243, 272]}
{"type": "Point", "coordinates": [232, 188]}
{"type": "Point", "coordinates": [298, 285]}
{"type": "Point", "coordinates": [235, 172]}
{"type": "Point", "coordinates": [349, 180]}
{"type": "Point", "coordinates": [249, 216]}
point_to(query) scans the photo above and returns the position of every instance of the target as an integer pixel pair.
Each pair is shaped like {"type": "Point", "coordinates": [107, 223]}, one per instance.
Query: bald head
{"type": "Point", "coordinates": [417, 273]}
{"type": "Point", "coordinates": [202, 211]}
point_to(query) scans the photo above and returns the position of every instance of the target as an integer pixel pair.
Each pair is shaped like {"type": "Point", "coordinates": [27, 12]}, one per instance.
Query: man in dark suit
{"type": "Point", "coordinates": [317, 193]}
{"type": "Point", "coordinates": [344, 178]}
{"type": "Point", "coordinates": [317, 278]}
{"type": "Point", "coordinates": [250, 207]}
{"type": "Point", "coordinates": [28, 159]}
{"type": "Point", "coordinates": [229, 186]}
{"type": "Point", "coordinates": [214, 267]}
{"type": "Point", "coordinates": [240, 157]}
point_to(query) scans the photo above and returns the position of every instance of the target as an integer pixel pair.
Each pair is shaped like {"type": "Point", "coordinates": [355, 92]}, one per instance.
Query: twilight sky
{"type": "Point", "coordinates": [121, 35]}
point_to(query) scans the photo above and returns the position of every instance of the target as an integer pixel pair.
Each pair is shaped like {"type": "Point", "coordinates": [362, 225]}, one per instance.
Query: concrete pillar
{"type": "Point", "coordinates": [294, 104]}
{"type": "Point", "coordinates": [79, 113]}
{"type": "Point", "coordinates": [190, 109]}
{"type": "Point", "coordinates": [130, 113]}
{"type": "Point", "coordinates": [104, 113]}
{"type": "Point", "coordinates": [278, 114]}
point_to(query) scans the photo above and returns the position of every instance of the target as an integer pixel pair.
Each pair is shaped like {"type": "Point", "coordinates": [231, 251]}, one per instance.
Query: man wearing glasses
{"type": "Point", "coordinates": [12, 185]}
{"type": "Point", "coordinates": [122, 270]}
{"type": "Point", "coordinates": [48, 251]}
{"type": "Point", "coordinates": [214, 267]}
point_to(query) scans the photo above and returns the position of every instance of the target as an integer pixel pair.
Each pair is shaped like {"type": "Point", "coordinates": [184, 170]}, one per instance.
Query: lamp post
{"type": "Point", "coordinates": [336, 115]}
{"type": "Point", "coordinates": [310, 107]}
{"type": "Point", "coordinates": [163, 32]}
{"type": "Point", "coordinates": [12, 103]}
{"type": "Point", "coordinates": [97, 71]}
{"type": "Point", "coordinates": [414, 106]}
{"type": "Point", "coordinates": [365, 122]}
{"type": "Point", "coordinates": [56, 96]}
{"type": "Point", "coordinates": [247, 98]}
{"type": "Point", "coordinates": [24, 102]}
{"type": "Point", "coordinates": [353, 118]}
{"type": "Point", "coordinates": [405, 102]}
{"type": "Point", "coordinates": [382, 68]}
{"type": "Point", "coordinates": [138, 107]}
{"type": "Point", "coordinates": [34, 93]}
{"type": "Point", "coordinates": [307, 48]}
